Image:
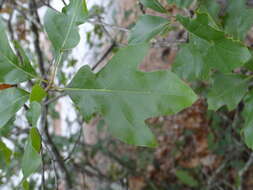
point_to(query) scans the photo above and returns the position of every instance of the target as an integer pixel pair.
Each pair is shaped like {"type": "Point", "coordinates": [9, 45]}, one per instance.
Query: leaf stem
{"type": "Point", "coordinates": [56, 64]}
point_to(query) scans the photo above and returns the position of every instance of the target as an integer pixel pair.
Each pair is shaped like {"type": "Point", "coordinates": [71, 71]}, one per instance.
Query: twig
{"type": "Point", "coordinates": [54, 149]}
{"type": "Point", "coordinates": [54, 99]}
{"type": "Point", "coordinates": [43, 170]}
{"type": "Point", "coordinates": [214, 175]}
{"type": "Point", "coordinates": [244, 170]}
{"type": "Point", "coordinates": [75, 145]}
{"type": "Point", "coordinates": [108, 25]}
{"type": "Point", "coordinates": [109, 50]}
{"type": "Point", "coordinates": [36, 41]}
{"type": "Point", "coordinates": [64, 2]}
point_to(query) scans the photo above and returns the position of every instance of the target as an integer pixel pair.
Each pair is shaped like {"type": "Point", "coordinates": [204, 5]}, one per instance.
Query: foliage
{"type": "Point", "coordinates": [215, 53]}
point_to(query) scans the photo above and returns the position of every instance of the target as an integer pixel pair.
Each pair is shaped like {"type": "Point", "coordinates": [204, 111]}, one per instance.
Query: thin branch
{"type": "Point", "coordinates": [108, 25]}
{"type": "Point", "coordinates": [54, 99]}
{"type": "Point", "coordinates": [214, 175]}
{"type": "Point", "coordinates": [43, 170]}
{"type": "Point", "coordinates": [54, 149]}
{"type": "Point", "coordinates": [244, 170]}
{"type": "Point", "coordinates": [36, 41]}
{"type": "Point", "coordinates": [109, 50]}
{"type": "Point", "coordinates": [75, 145]}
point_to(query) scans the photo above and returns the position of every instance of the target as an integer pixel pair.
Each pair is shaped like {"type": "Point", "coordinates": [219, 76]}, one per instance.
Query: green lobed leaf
{"type": "Point", "coordinates": [37, 94]}
{"type": "Point", "coordinates": [186, 178]}
{"type": "Point", "coordinates": [62, 28]}
{"type": "Point", "coordinates": [248, 119]}
{"type": "Point", "coordinates": [208, 49]}
{"type": "Point", "coordinates": [33, 113]}
{"type": "Point", "coordinates": [180, 3]}
{"type": "Point", "coordinates": [11, 70]}
{"type": "Point", "coordinates": [32, 160]}
{"type": "Point", "coordinates": [146, 28]}
{"type": "Point", "coordinates": [12, 100]}
{"type": "Point", "coordinates": [227, 90]}
{"type": "Point", "coordinates": [154, 4]}
{"type": "Point", "coordinates": [238, 19]}
{"type": "Point", "coordinates": [5, 153]}
{"type": "Point", "coordinates": [126, 96]}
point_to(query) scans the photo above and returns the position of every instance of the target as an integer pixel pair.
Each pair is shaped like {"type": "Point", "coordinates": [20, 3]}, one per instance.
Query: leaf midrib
{"type": "Point", "coordinates": [70, 26]}
{"type": "Point", "coordinates": [137, 92]}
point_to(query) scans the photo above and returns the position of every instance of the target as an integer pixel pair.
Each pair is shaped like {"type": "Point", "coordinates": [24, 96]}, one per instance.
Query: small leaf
{"type": "Point", "coordinates": [25, 185]}
{"type": "Point", "coordinates": [248, 119]}
{"type": "Point", "coordinates": [31, 160]}
{"type": "Point", "coordinates": [238, 18]}
{"type": "Point", "coordinates": [180, 3]}
{"type": "Point", "coordinates": [12, 100]}
{"type": "Point", "coordinates": [62, 28]}
{"type": "Point", "coordinates": [37, 94]}
{"type": "Point", "coordinates": [121, 91]}
{"type": "Point", "coordinates": [154, 4]}
{"type": "Point", "coordinates": [146, 28]}
{"type": "Point", "coordinates": [5, 153]}
{"type": "Point", "coordinates": [227, 90]}
{"type": "Point", "coordinates": [34, 113]}
{"type": "Point", "coordinates": [186, 178]}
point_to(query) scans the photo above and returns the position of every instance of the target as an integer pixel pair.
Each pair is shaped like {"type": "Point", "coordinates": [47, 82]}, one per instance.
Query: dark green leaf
{"type": "Point", "coordinates": [123, 93]}
{"type": "Point", "coordinates": [208, 49]}
{"type": "Point", "coordinates": [186, 178]}
{"type": "Point", "coordinates": [227, 90]}
{"type": "Point", "coordinates": [37, 94]}
{"type": "Point", "coordinates": [11, 70]}
{"type": "Point", "coordinates": [154, 4]}
{"type": "Point", "coordinates": [146, 28]}
{"type": "Point", "coordinates": [32, 159]}
{"type": "Point", "coordinates": [12, 100]}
